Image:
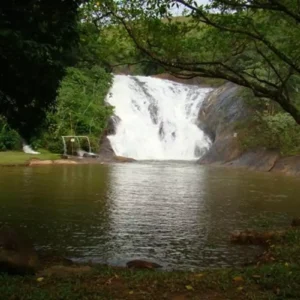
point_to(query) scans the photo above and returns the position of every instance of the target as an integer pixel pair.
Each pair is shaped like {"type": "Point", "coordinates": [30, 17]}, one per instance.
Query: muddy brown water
{"type": "Point", "coordinates": [177, 214]}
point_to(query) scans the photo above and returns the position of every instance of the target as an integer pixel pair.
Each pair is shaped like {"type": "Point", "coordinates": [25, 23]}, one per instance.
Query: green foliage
{"type": "Point", "coordinates": [80, 108]}
{"type": "Point", "coordinates": [109, 45]}
{"type": "Point", "coordinates": [37, 39]}
{"type": "Point", "coordinates": [249, 43]}
{"type": "Point", "coordinates": [268, 126]}
{"type": "Point", "coordinates": [21, 158]}
{"type": "Point", "coordinates": [9, 138]}
{"type": "Point", "coordinates": [275, 132]}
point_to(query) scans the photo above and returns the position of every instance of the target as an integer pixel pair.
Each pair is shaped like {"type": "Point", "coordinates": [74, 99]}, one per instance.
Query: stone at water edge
{"type": "Point", "coordinates": [142, 264]}
{"type": "Point", "coordinates": [90, 155]}
{"type": "Point", "coordinates": [254, 237]}
{"type": "Point", "coordinates": [37, 162]}
{"type": "Point", "coordinates": [17, 254]}
{"type": "Point", "coordinates": [296, 222]}
{"type": "Point", "coordinates": [124, 159]}
{"type": "Point", "coordinates": [64, 162]}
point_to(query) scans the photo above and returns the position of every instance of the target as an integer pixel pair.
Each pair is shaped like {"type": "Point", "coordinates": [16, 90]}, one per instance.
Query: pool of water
{"type": "Point", "coordinates": [174, 213]}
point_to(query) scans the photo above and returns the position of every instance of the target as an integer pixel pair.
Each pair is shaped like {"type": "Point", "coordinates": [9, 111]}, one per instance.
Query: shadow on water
{"type": "Point", "coordinates": [175, 213]}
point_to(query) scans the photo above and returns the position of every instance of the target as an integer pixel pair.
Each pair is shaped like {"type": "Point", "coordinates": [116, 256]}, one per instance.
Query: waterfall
{"type": "Point", "coordinates": [157, 119]}
{"type": "Point", "coordinates": [28, 150]}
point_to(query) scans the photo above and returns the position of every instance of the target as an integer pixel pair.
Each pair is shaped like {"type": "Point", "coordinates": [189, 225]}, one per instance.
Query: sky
{"type": "Point", "coordinates": [202, 1]}
{"type": "Point", "coordinates": [179, 10]}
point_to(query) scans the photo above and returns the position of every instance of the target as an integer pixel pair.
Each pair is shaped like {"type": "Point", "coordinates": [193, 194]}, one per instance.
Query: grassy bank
{"type": "Point", "coordinates": [21, 158]}
{"type": "Point", "coordinates": [276, 275]}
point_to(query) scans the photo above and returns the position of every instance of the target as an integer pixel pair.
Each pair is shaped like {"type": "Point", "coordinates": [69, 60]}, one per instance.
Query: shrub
{"type": "Point", "coordinates": [9, 138]}
{"type": "Point", "coordinates": [277, 132]}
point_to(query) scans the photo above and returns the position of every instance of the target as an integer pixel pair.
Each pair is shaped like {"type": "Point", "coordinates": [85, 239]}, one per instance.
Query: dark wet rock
{"type": "Point", "coordinates": [223, 108]}
{"type": "Point", "coordinates": [218, 116]}
{"type": "Point", "coordinates": [106, 152]}
{"type": "Point", "coordinates": [142, 264]}
{"type": "Point", "coordinates": [255, 238]}
{"type": "Point", "coordinates": [112, 125]}
{"type": "Point", "coordinates": [288, 165]}
{"type": "Point", "coordinates": [296, 222]}
{"type": "Point", "coordinates": [123, 159]}
{"type": "Point", "coordinates": [161, 131]}
{"type": "Point", "coordinates": [222, 150]}
{"type": "Point", "coordinates": [259, 160]}
{"type": "Point", "coordinates": [17, 254]}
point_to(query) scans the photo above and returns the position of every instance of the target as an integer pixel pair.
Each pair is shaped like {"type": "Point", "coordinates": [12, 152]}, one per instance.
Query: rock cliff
{"type": "Point", "coordinates": [219, 115]}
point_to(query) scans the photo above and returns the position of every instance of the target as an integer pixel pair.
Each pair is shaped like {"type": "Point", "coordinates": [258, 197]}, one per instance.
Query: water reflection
{"type": "Point", "coordinates": [177, 214]}
{"type": "Point", "coordinates": [154, 213]}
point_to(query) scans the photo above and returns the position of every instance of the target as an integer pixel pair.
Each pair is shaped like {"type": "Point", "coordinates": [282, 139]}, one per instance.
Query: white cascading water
{"type": "Point", "coordinates": [28, 150]}
{"type": "Point", "coordinates": [157, 119]}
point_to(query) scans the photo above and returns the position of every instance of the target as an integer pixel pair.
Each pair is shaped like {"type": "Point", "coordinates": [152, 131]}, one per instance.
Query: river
{"type": "Point", "coordinates": [178, 214]}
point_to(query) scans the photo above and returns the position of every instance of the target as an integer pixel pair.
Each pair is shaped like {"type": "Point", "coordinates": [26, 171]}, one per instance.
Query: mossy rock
{"type": "Point", "coordinates": [17, 254]}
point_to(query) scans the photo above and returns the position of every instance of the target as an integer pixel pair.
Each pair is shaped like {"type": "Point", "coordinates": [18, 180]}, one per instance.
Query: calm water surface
{"type": "Point", "coordinates": [176, 214]}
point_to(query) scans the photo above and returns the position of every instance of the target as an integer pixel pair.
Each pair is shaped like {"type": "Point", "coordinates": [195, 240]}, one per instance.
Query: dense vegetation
{"type": "Point", "coordinates": [55, 81]}
{"type": "Point", "coordinates": [58, 61]}
{"type": "Point", "coordinates": [9, 138]}
{"type": "Point", "coordinates": [268, 126]}
{"type": "Point", "coordinates": [79, 109]}
{"type": "Point", "coordinates": [36, 43]}
{"type": "Point", "coordinates": [277, 131]}
{"type": "Point", "coordinates": [252, 43]}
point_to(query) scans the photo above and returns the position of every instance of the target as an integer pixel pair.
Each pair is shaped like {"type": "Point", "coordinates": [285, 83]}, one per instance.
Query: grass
{"type": "Point", "coordinates": [275, 276]}
{"type": "Point", "coordinates": [110, 283]}
{"type": "Point", "coordinates": [21, 158]}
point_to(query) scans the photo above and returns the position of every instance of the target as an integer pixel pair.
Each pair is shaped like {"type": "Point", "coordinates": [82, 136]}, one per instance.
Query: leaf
{"type": "Point", "coordinates": [240, 288]}
{"type": "Point", "coordinates": [189, 287]}
{"type": "Point", "coordinates": [256, 276]}
{"type": "Point", "coordinates": [130, 293]}
{"type": "Point", "coordinates": [40, 279]}
{"type": "Point", "coordinates": [199, 275]}
{"type": "Point", "coordinates": [238, 279]}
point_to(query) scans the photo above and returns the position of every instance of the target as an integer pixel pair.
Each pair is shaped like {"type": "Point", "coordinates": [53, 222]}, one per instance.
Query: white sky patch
{"type": "Point", "coordinates": [179, 11]}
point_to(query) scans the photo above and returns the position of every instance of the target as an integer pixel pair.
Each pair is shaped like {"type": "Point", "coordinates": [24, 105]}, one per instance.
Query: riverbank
{"type": "Point", "coordinates": [260, 160]}
{"type": "Point", "coordinates": [253, 161]}
{"type": "Point", "coordinates": [275, 275]}
{"type": "Point", "coordinates": [248, 133]}
{"type": "Point", "coordinates": [18, 158]}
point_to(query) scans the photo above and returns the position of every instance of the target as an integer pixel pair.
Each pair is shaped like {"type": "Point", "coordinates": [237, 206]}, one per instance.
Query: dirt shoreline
{"type": "Point", "coordinates": [69, 161]}
{"type": "Point", "coordinates": [275, 275]}
{"type": "Point", "coordinates": [288, 166]}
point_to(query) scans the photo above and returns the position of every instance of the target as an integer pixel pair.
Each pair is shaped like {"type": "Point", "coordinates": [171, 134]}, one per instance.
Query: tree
{"type": "Point", "coordinates": [80, 107]}
{"type": "Point", "coordinates": [37, 38]}
{"type": "Point", "coordinates": [110, 46]}
{"type": "Point", "coordinates": [252, 43]}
